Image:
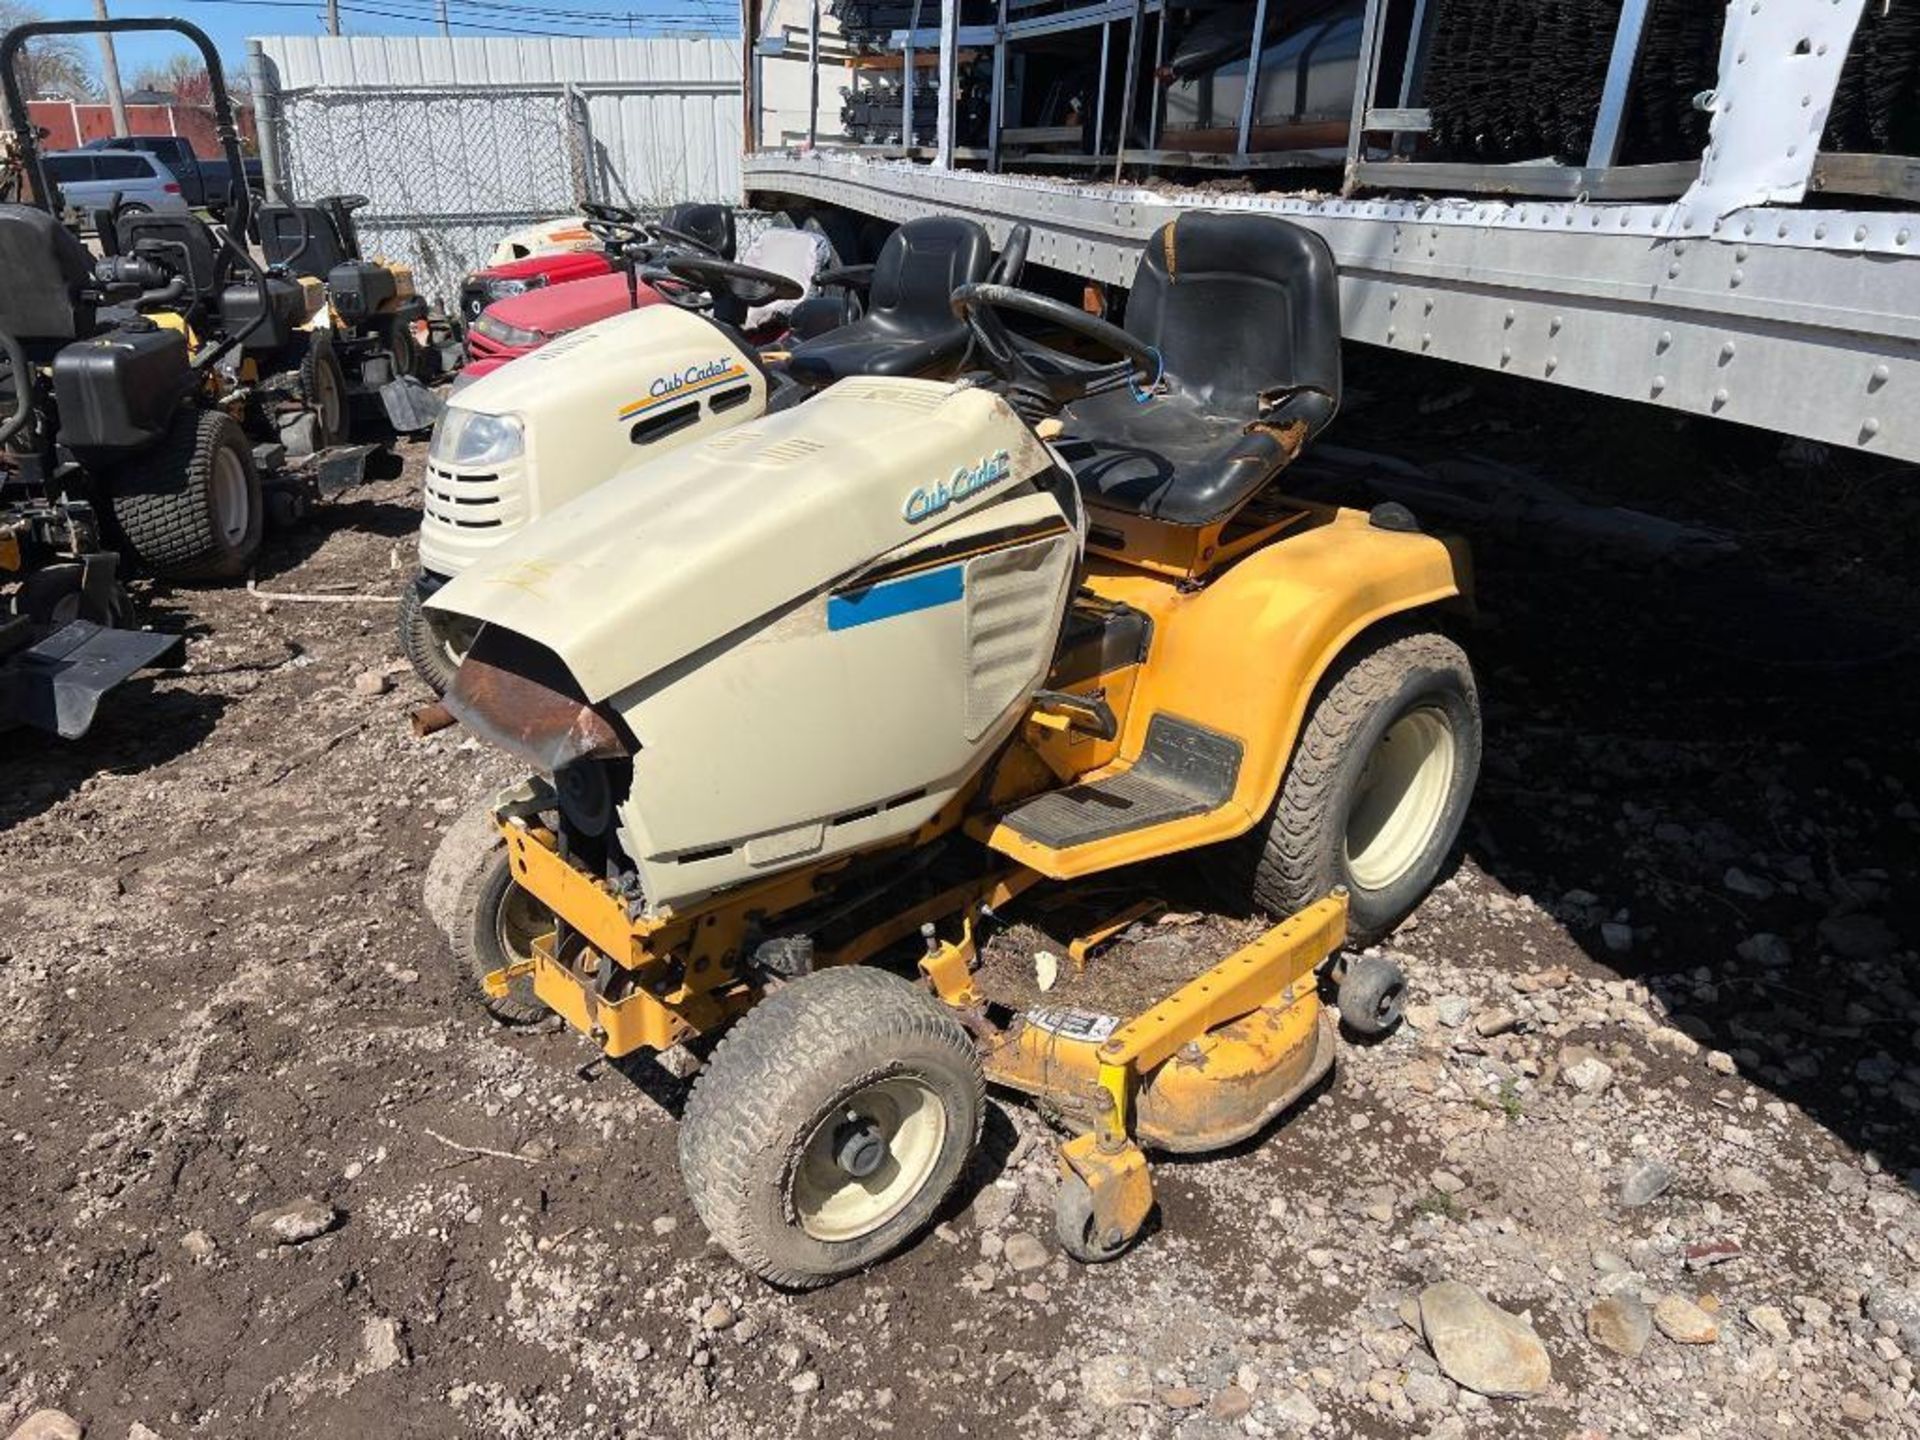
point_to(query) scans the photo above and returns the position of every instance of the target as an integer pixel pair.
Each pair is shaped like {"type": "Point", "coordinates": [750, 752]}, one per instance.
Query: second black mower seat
{"type": "Point", "coordinates": [910, 329]}
{"type": "Point", "coordinates": [1244, 311]}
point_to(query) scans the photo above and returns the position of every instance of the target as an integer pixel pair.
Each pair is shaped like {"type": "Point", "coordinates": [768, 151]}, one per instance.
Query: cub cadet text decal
{"type": "Point", "coordinates": [968, 480]}
{"type": "Point", "coordinates": [691, 380]}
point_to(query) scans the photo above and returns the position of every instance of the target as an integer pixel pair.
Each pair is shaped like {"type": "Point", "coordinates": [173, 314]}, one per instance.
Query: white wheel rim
{"type": "Point", "coordinates": [901, 1113]}
{"type": "Point", "coordinates": [453, 635]}
{"type": "Point", "coordinates": [518, 922]}
{"type": "Point", "coordinates": [326, 383]}
{"type": "Point", "coordinates": [232, 511]}
{"type": "Point", "coordinates": [1401, 799]}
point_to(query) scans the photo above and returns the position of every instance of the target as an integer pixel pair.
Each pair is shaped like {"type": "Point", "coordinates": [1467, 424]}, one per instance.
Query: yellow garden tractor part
{"type": "Point", "coordinates": [814, 703]}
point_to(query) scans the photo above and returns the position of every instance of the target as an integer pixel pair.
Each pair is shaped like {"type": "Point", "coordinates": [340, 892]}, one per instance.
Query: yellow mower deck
{"type": "Point", "coordinates": [1205, 1067]}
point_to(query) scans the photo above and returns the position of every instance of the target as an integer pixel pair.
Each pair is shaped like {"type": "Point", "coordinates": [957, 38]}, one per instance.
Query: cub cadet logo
{"type": "Point", "coordinates": [967, 481]}
{"type": "Point", "coordinates": [703, 376]}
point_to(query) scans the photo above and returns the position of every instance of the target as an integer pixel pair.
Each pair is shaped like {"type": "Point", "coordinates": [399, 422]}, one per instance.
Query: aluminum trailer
{"type": "Point", "coordinates": [1719, 286]}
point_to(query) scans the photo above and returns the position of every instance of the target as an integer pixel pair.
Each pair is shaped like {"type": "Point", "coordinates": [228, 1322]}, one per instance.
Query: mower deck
{"type": "Point", "coordinates": [1202, 1065]}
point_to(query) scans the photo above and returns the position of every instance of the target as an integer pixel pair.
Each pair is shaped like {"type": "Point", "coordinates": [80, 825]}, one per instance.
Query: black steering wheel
{"type": "Point", "coordinates": [669, 238]}
{"type": "Point", "coordinates": [1041, 380]}
{"type": "Point", "coordinates": [728, 289]}
{"type": "Point", "coordinates": [611, 226]}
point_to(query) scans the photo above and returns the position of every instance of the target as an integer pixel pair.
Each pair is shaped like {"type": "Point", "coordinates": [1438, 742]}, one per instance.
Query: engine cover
{"type": "Point", "coordinates": [607, 397]}
{"type": "Point", "coordinates": [817, 626]}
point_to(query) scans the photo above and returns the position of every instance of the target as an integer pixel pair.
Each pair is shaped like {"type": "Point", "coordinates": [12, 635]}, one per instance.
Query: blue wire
{"type": "Point", "coordinates": [1141, 395]}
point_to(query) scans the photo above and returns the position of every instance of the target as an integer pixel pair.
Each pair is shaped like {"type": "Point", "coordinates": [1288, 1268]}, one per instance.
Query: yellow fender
{"type": "Point", "coordinates": [1240, 654]}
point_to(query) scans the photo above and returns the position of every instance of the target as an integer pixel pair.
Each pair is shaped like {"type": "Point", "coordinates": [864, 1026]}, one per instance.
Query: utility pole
{"type": "Point", "coordinates": [110, 72]}
{"type": "Point", "coordinates": [444, 30]}
{"type": "Point", "coordinates": [333, 17]}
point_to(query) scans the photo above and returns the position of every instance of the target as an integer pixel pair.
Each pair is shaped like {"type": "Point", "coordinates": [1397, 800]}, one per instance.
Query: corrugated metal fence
{"type": "Point", "coordinates": [454, 141]}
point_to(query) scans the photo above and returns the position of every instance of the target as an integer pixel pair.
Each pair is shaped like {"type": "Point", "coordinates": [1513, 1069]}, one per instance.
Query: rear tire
{"type": "Point", "coordinates": [323, 386]}
{"type": "Point", "coordinates": [1377, 788]}
{"type": "Point", "coordinates": [432, 645]}
{"type": "Point", "coordinates": [192, 509]}
{"type": "Point", "coordinates": [830, 1124]}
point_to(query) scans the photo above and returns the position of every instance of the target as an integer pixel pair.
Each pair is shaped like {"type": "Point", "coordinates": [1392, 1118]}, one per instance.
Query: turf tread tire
{"type": "Point", "coordinates": [428, 659]}
{"type": "Point", "coordinates": [163, 503]}
{"type": "Point", "coordinates": [320, 355]}
{"type": "Point", "coordinates": [1291, 858]}
{"type": "Point", "coordinates": [758, 1078]}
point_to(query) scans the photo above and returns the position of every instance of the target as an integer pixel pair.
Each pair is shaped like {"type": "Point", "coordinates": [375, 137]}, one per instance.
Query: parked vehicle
{"type": "Point", "coordinates": [90, 180]}
{"type": "Point", "coordinates": [207, 184]}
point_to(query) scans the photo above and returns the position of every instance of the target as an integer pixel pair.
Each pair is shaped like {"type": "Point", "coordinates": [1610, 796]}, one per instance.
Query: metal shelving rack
{"type": "Point", "coordinates": [1729, 293]}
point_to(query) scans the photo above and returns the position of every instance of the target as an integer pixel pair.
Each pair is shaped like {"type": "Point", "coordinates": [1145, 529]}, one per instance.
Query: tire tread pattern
{"type": "Point", "coordinates": [172, 527]}
{"type": "Point", "coordinates": [769, 1056]}
{"type": "Point", "coordinates": [1291, 850]}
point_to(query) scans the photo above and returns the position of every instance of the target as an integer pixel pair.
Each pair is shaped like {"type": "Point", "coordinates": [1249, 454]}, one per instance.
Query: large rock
{"type": "Point", "coordinates": [49, 1425]}
{"type": "Point", "coordinates": [1620, 1323]}
{"type": "Point", "coordinates": [1480, 1345]}
{"type": "Point", "coordinates": [298, 1222]}
{"type": "Point", "coordinates": [1684, 1322]}
{"type": "Point", "coordinates": [1110, 1381]}
{"type": "Point", "coordinates": [1644, 1183]}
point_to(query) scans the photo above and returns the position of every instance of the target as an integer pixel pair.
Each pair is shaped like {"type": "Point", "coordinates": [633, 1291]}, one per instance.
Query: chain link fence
{"type": "Point", "coordinates": [445, 173]}
{"type": "Point", "coordinates": [449, 163]}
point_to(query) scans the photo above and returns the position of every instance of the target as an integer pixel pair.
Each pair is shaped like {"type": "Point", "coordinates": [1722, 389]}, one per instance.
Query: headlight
{"type": "Point", "coordinates": [500, 289]}
{"type": "Point", "coordinates": [492, 327]}
{"type": "Point", "coordinates": [472, 437]}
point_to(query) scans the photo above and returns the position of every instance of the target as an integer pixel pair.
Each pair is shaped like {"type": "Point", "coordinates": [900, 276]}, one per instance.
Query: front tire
{"type": "Point", "coordinates": [433, 644]}
{"type": "Point", "coordinates": [496, 926]}
{"type": "Point", "coordinates": [193, 509]}
{"type": "Point", "coordinates": [1378, 785]}
{"type": "Point", "coordinates": [829, 1125]}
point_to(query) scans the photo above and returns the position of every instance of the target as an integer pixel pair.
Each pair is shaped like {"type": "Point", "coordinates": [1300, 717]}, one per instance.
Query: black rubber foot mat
{"type": "Point", "coordinates": [1183, 771]}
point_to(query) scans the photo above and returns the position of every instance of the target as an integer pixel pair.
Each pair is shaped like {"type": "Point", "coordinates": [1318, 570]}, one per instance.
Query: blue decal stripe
{"type": "Point", "coordinates": [896, 597]}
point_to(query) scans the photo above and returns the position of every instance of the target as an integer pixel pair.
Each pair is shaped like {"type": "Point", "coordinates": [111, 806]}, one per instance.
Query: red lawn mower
{"type": "Point", "coordinates": [708, 226]}
{"type": "Point", "coordinates": [520, 323]}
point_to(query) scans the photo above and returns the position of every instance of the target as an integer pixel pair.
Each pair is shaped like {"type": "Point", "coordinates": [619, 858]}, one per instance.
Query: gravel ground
{"type": "Point", "coordinates": [271, 1173]}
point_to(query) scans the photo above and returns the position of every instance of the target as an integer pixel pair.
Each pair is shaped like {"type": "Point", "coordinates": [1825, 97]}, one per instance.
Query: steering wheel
{"type": "Point", "coordinates": [1041, 380]}
{"type": "Point", "coordinates": [709, 283]}
{"type": "Point", "coordinates": [679, 240]}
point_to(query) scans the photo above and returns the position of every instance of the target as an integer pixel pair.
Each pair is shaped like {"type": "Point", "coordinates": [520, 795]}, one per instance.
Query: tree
{"type": "Point", "coordinates": [185, 76]}
{"type": "Point", "coordinates": [53, 64]}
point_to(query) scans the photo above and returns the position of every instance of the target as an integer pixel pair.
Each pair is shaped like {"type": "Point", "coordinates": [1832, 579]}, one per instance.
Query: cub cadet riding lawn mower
{"type": "Point", "coordinates": [521, 324]}
{"type": "Point", "coordinates": [839, 684]}
{"type": "Point", "coordinates": [709, 229]}
{"type": "Point", "coordinates": [575, 413]}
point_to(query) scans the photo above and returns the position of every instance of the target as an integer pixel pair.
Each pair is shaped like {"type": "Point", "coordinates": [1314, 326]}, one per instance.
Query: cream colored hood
{"type": "Point", "coordinates": [674, 554]}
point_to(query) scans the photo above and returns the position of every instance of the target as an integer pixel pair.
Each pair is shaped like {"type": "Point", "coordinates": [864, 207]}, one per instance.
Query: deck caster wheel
{"type": "Point", "coordinates": [1373, 995]}
{"type": "Point", "coordinates": [829, 1124]}
{"type": "Point", "coordinates": [1078, 1231]}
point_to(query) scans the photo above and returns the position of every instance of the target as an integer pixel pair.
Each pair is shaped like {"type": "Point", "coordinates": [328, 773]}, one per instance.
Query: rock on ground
{"type": "Point", "coordinates": [1480, 1345]}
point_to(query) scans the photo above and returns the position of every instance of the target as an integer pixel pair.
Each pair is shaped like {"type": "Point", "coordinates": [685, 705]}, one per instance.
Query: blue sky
{"type": "Point", "coordinates": [231, 22]}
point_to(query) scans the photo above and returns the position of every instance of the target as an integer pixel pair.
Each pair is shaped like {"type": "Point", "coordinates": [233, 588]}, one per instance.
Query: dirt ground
{"type": "Point", "coordinates": [1681, 934]}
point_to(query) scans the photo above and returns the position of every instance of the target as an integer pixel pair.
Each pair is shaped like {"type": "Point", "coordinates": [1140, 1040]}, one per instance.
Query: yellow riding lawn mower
{"type": "Point", "coordinates": [814, 703]}
{"type": "Point", "coordinates": [616, 395]}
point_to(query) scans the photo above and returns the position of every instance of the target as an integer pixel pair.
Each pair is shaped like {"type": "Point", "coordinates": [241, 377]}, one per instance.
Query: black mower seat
{"type": "Point", "coordinates": [305, 238]}
{"type": "Point", "coordinates": [909, 328]}
{"type": "Point", "coordinates": [710, 224]}
{"type": "Point", "coordinates": [49, 274]}
{"type": "Point", "coordinates": [1245, 312]}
